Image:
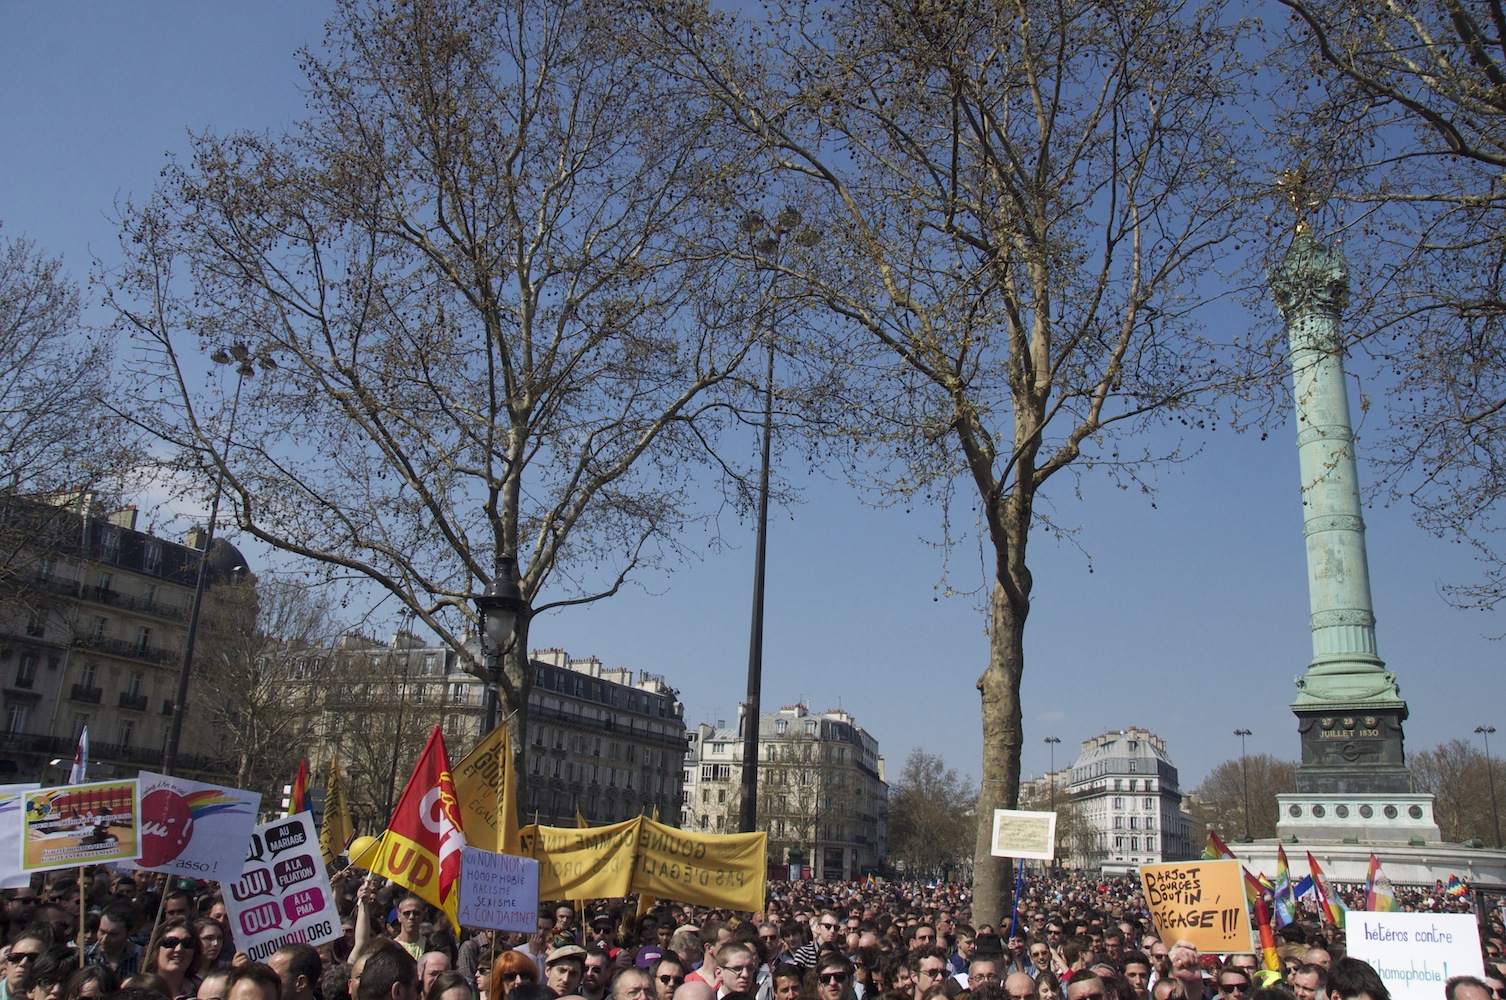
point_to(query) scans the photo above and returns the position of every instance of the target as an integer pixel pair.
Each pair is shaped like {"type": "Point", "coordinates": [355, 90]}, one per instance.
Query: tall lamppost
{"type": "Point", "coordinates": [764, 240]}
{"type": "Point", "coordinates": [1052, 741]}
{"type": "Point", "coordinates": [1244, 768]}
{"type": "Point", "coordinates": [1490, 772]}
{"type": "Point", "coordinates": [246, 362]}
{"type": "Point", "coordinates": [501, 606]}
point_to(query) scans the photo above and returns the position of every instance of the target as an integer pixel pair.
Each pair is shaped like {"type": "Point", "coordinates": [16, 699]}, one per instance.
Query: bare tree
{"type": "Point", "coordinates": [1079, 844]}
{"type": "Point", "coordinates": [1019, 203]}
{"type": "Point", "coordinates": [260, 638]}
{"type": "Point", "coordinates": [480, 264]}
{"type": "Point", "coordinates": [1456, 774]}
{"type": "Point", "coordinates": [931, 815]}
{"type": "Point", "coordinates": [1406, 135]}
{"type": "Point", "coordinates": [1219, 802]}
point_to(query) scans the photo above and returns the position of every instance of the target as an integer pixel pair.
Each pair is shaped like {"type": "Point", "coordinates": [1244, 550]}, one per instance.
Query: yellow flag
{"type": "Point", "coordinates": [708, 869]}
{"type": "Point", "coordinates": [488, 792]}
{"type": "Point", "coordinates": [592, 863]}
{"type": "Point", "coordinates": [336, 831]}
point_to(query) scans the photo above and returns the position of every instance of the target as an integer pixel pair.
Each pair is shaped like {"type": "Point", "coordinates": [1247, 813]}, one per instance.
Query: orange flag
{"type": "Point", "coordinates": [421, 848]}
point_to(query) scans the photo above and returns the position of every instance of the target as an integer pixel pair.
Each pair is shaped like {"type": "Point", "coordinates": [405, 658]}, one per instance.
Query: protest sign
{"type": "Point", "coordinates": [1415, 953]}
{"type": "Point", "coordinates": [1022, 834]}
{"type": "Point", "coordinates": [283, 896]}
{"type": "Point", "coordinates": [194, 829]}
{"type": "Point", "coordinates": [577, 863]}
{"type": "Point", "coordinates": [498, 891]}
{"type": "Point", "coordinates": [704, 869]}
{"type": "Point", "coordinates": [82, 824]}
{"type": "Point", "coordinates": [12, 875]}
{"type": "Point", "coordinates": [1199, 901]}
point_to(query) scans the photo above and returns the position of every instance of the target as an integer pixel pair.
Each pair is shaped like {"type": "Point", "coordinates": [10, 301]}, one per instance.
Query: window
{"type": "Point", "coordinates": [36, 625]}
{"type": "Point", "coordinates": [151, 555]}
{"type": "Point", "coordinates": [143, 639]}
{"type": "Point", "coordinates": [127, 732]}
{"type": "Point", "coordinates": [780, 725]}
{"type": "Point", "coordinates": [1150, 803]}
{"type": "Point", "coordinates": [87, 674]}
{"type": "Point", "coordinates": [106, 582]}
{"type": "Point", "coordinates": [101, 625]}
{"type": "Point", "coordinates": [26, 672]}
{"type": "Point", "coordinates": [109, 542]}
{"type": "Point", "coordinates": [133, 686]}
{"type": "Point", "coordinates": [1118, 785]}
{"type": "Point", "coordinates": [46, 568]}
{"type": "Point", "coordinates": [1118, 802]}
{"type": "Point", "coordinates": [15, 718]}
{"type": "Point", "coordinates": [149, 593]}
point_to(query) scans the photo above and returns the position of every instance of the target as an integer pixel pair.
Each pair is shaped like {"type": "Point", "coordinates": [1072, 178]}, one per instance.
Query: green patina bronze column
{"type": "Point", "coordinates": [1348, 707]}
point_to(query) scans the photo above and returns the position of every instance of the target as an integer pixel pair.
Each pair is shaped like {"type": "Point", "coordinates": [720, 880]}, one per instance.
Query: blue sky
{"type": "Point", "coordinates": [1192, 622]}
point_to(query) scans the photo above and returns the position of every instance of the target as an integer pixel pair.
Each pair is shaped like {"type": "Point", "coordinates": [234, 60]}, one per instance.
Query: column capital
{"type": "Point", "coordinates": [1310, 278]}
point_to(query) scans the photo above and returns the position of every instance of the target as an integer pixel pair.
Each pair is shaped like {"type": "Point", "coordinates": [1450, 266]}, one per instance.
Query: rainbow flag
{"type": "Point", "coordinates": [1282, 902]}
{"type": "Point", "coordinates": [1217, 850]}
{"type": "Point", "coordinates": [1379, 896]}
{"type": "Point", "coordinates": [1333, 906]}
{"type": "Point", "coordinates": [1456, 888]}
{"type": "Point", "coordinates": [298, 801]}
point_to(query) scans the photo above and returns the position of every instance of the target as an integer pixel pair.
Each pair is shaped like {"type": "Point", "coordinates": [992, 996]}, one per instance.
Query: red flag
{"type": "Point", "coordinates": [422, 845]}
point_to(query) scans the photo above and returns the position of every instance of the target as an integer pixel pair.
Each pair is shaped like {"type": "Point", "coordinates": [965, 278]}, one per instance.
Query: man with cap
{"type": "Point", "coordinates": [564, 968]}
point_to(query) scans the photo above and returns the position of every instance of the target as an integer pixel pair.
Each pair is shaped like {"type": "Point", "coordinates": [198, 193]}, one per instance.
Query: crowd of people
{"type": "Point", "coordinates": [123, 936]}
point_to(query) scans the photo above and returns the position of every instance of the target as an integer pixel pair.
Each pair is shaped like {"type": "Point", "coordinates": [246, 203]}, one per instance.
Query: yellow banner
{"type": "Point", "coordinates": [1199, 901]}
{"type": "Point", "coordinates": [485, 786]}
{"type": "Point", "coordinates": [581, 864]}
{"type": "Point", "coordinates": [704, 869]}
{"type": "Point", "coordinates": [336, 831]}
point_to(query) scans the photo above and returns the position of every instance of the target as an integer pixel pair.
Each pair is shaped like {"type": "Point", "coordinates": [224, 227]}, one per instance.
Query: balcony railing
{"type": "Point", "coordinates": [115, 599]}
{"type": "Point", "coordinates": [130, 650]}
{"type": "Point", "coordinates": [82, 692]}
{"type": "Point", "coordinates": [135, 702]}
{"type": "Point", "coordinates": [110, 753]}
{"type": "Point", "coordinates": [167, 706]}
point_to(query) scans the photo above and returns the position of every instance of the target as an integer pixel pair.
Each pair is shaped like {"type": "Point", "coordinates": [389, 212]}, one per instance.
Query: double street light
{"type": "Point", "coordinates": [246, 363]}
{"type": "Point", "coordinates": [1244, 767]}
{"type": "Point", "coordinates": [1490, 772]}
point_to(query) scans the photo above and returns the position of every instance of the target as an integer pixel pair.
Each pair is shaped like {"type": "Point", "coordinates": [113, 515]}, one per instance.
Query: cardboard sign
{"type": "Point", "coordinates": [194, 829]}
{"type": "Point", "coordinates": [498, 891]}
{"type": "Point", "coordinates": [1022, 834]}
{"type": "Point", "coordinates": [1200, 901]}
{"type": "Point", "coordinates": [1415, 953]}
{"type": "Point", "coordinates": [12, 875]}
{"type": "Point", "coordinates": [84, 824]}
{"type": "Point", "coordinates": [283, 896]}
{"type": "Point", "coordinates": [726, 869]}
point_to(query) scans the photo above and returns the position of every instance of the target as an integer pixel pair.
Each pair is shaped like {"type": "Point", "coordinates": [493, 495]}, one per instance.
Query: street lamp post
{"type": "Point", "coordinates": [1052, 741]}
{"type": "Point", "coordinates": [502, 607]}
{"type": "Point", "coordinates": [245, 363]}
{"type": "Point", "coordinates": [1490, 773]}
{"type": "Point", "coordinates": [764, 239]}
{"type": "Point", "coordinates": [1244, 768]}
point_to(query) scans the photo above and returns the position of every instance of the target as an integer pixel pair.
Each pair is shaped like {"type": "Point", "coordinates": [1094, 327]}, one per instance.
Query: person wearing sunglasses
{"type": "Point", "coordinates": [823, 932]}
{"type": "Point", "coordinates": [929, 967]}
{"type": "Point", "coordinates": [511, 969]}
{"type": "Point", "coordinates": [832, 979]}
{"type": "Point", "coordinates": [667, 975]}
{"type": "Point", "coordinates": [1234, 983]}
{"type": "Point", "coordinates": [171, 954]}
{"type": "Point", "coordinates": [23, 951]}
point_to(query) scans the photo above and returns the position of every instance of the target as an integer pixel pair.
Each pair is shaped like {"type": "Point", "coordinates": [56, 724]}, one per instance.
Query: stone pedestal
{"type": "Point", "coordinates": [1375, 819]}
{"type": "Point", "coordinates": [1353, 752]}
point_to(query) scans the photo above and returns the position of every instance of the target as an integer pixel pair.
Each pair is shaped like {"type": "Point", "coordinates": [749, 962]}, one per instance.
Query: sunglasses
{"type": "Point", "coordinates": [833, 977]}
{"type": "Point", "coordinates": [671, 980]}
{"type": "Point", "coordinates": [22, 956]}
{"type": "Point", "coordinates": [521, 977]}
{"type": "Point", "coordinates": [168, 944]}
{"type": "Point", "coordinates": [1227, 988]}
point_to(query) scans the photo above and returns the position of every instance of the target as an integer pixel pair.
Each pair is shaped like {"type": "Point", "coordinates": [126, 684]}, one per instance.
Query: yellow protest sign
{"type": "Point", "coordinates": [485, 786]}
{"type": "Point", "coordinates": [1199, 901]}
{"type": "Point", "coordinates": [705, 869]}
{"type": "Point", "coordinates": [581, 864]}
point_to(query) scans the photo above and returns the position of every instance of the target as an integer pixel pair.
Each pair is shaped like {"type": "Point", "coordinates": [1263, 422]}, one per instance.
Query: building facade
{"type": "Point", "coordinates": [603, 744]}
{"type": "Point", "coordinates": [822, 797]}
{"type": "Point", "coordinates": [1125, 788]}
{"type": "Point", "coordinates": [93, 616]}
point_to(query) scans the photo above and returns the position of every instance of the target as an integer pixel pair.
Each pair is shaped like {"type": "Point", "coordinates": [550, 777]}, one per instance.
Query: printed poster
{"type": "Point", "coordinates": [84, 824]}
{"type": "Point", "coordinates": [283, 896]}
{"type": "Point", "coordinates": [12, 875]}
{"type": "Point", "coordinates": [1022, 834]}
{"type": "Point", "coordinates": [194, 829]}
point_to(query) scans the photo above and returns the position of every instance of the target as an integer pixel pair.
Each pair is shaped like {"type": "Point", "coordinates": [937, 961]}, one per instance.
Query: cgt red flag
{"type": "Point", "coordinates": [422, 845]}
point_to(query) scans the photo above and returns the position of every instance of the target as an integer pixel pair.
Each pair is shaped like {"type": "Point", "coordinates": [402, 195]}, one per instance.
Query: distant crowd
{"type": "Point", "coordinates": [129, 936]}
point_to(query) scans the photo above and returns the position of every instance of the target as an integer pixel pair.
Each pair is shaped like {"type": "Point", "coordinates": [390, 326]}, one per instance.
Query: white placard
{"type": "Point", "coordinates": [283, 896]}
{"type": "Point", "coordinates": [498, 891]}
{"type": "Point", "coordinates": [1415, 953]}
{"type": "Point", "coordinates": [12, 875]}
{"type": "Point", "coordinates": [1022, 834]}
{"type": "Point", "coordinates": [194, 829]}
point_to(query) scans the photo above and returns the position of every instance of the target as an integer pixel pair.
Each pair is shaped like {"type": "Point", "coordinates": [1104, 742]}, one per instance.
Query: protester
{"type": "Point", "coordinates": [511, 969]}
{"type": "Point", "coordinates": [448, 986]}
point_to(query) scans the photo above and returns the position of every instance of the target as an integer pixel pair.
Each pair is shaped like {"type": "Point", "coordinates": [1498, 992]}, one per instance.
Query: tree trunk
{"type": "Point", "coordinates": [1003, 730]}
